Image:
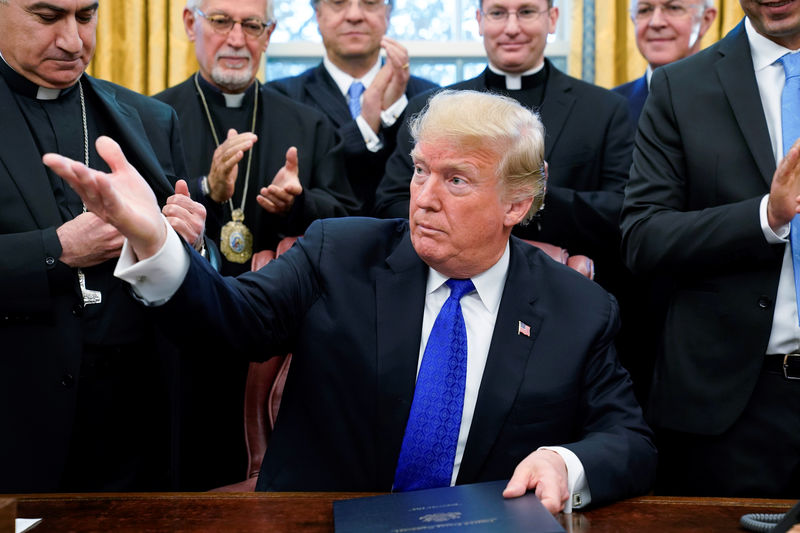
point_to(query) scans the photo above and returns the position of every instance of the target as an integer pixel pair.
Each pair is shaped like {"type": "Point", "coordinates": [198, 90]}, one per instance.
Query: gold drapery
{"type": "Point", "coordinates": [616, 58]}
{"type": "Point", "coordinates": [141, 44]}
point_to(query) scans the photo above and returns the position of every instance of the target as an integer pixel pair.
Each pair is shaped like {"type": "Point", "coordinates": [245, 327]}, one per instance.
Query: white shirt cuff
{"type": "Point", "coordinates": [579, 494]}
{"type": "Point", "coordinates": [155, 279]}
{"type": "Point", "coordinates": [390, 115]}
{"type": "Point", "coordinates": [782, 235]}
{"type": "Point", "coordinates": [371, 139]}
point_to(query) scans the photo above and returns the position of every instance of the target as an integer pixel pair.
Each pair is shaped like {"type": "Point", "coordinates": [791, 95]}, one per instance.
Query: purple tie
{"type": "Point", "coordinates": [429, 444]}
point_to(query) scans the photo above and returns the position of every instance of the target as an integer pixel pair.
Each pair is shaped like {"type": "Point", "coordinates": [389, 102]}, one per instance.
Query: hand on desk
{"type": "Point", "coordinates": [545, 472]}
{"type": "Point", "coordinates": [122, 198]}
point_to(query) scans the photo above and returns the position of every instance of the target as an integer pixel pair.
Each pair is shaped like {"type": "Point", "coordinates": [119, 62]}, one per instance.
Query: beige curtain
{"type": "Point", "coordinates": [613, 53]}
{"type": "Point", "coordinates": [141, 44]}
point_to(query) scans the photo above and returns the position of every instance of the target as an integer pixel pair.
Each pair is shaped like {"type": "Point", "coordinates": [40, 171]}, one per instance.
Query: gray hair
{"type": "Point", "coordinates": [315, 3]}
{"type": "Point", "coordinates": [707, 4]}
{"type": "Point", "coordinates": [483, 122]}
{"type": "Point", "coordinates": [191, 5]}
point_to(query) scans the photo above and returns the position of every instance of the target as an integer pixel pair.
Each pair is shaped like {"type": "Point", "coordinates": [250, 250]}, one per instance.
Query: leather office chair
{"type": "Point", "coordinates": [265, 380]}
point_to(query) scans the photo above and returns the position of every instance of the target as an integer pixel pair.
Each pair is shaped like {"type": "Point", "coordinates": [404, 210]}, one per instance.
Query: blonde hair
{"type": "Point", "coordinates": [485, 122]}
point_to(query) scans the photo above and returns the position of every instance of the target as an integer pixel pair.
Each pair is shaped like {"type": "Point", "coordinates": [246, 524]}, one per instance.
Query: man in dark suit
{"type": "Point", "coordinates": [588, 159]}
{"type": "Point", "coordinates": [542, 398]}
{"type": "Point", "coordinates": [665, 32]}
{"type": "Point", "coordinates": [292, 175]}
{"type": "Point", "coordinates": [353, 33]}
{"type": "Point", "coordinates": [85, 380]}
{"type": "Point", "coordinates": [708, 206]}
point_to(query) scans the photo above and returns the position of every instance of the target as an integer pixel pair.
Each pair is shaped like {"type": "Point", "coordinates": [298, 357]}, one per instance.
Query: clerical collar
{"type": "Point", "coordinates": [22, 85]}
{"type": "Point", "coordinates": [220, 98]}
{"type": "Point", "coordinates": [514, 82]}
{"type": "Point", "coordinates": [343, 80]}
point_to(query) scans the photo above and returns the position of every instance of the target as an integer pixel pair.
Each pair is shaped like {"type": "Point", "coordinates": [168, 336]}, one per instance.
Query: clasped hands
{"type": "Point", "coordinates": [277, 198]}
{"type": "Point", "coordinates": [389, 84]}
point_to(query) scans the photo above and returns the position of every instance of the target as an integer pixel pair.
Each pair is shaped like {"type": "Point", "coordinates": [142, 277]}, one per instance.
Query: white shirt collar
{"type": "Point", "coordinates": [764, 51]}
{"type": "Point", "coordinates": [649, 74]}
{"type": "Point", "coordinates": [489, 284]}
{"type": "Point", "coordinates": [514, 80]}
{"type": "Point", "coordinates": [344, 80]}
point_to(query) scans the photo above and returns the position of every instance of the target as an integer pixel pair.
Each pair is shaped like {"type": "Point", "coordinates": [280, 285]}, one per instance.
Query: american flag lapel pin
{"type": "Point", "coordinates": [523, 329]}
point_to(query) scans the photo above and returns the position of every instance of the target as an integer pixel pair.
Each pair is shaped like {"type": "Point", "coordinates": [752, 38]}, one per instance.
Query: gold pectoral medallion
{"type": "Point", "coordinates": [236, 240]}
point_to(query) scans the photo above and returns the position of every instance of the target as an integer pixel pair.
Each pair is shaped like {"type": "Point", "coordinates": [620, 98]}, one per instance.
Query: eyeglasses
{"type": "Point", "coordinates": [672, 10]}
{"type": "Point", "coordinates": [526, 14]}
{"type": "Point", "coordinates": [221, 23]}
{"type": "Point", "coordinates": [366, 5]}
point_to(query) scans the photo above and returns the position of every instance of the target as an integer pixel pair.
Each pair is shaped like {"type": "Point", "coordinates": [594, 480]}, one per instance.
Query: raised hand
{"type": "Point", "coordinates": [121, 198]}
{"type": "Point", "coordinates": [225, 164]}
{"type": "Point", "coordinates": [397, 60]}
{"type": "Point", "coordinates": [186, 216]}
{"type": "Point", "coordinates": [279, 197]}
{"type": "Point", "coordinates": [784, 193]}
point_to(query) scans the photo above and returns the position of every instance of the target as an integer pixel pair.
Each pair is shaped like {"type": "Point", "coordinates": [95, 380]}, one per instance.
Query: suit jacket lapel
{"type": "Point", "coordinates": [20, 155]}
{"type": "Point", "coordinates": [505, 366]}
{"type": "Point", "coordinates": [326, 93]}
{"type": "Point", "coordinates": [132, 138]}
{"type": "Point", "coordinates": [400, 300]}
{"type": "Point", "coordinates": [558, 102]}
{"type": "Point", "coordinates": [741, 89]}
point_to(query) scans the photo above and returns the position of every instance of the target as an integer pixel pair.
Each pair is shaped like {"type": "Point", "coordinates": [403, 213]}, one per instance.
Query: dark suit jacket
{"type": "Point", "coordinates": [701, 164]}
{"type": "Point", "coordinates": [315, 87]}
{"type": "Point", "coordinates": [588, 147]}
{"type": "Point", "coordinates": [636, 92]}
{"type": "Point", "coordinates": [42, 341]}
{"type": "Point", "coordinates": [281, 123]}
{"type": "Point", "coordinates": [347, 300]}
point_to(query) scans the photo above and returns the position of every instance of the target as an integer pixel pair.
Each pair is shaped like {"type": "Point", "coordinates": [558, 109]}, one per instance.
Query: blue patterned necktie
{"type": "Point", "coordinates": [354, 98]}
{"type": "Point", "coordinates": [429, 444]}
{"type": "Point", "coordinates": [790, 124]}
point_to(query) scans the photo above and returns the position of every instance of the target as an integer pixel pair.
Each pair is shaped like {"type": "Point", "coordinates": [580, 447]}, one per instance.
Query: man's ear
{"type": "Point", "coordinates": [188, 23]}
{"type": "Point", "coordinates": [516, 211]}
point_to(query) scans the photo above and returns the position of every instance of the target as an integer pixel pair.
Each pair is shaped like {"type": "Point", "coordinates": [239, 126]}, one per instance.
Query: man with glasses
{"type": "Point", "coordinates": [363, 99]}
{"type": "Point", "coordinates": [665, 32]}
{"type": "Point", "coordinates": [587, 145]}
{"type": "Point", "coordinates": [711, 205]}
{"type": "Point", "coordinates": [86, 381]}
{"type": "Point", "coordinates": [265, 167]}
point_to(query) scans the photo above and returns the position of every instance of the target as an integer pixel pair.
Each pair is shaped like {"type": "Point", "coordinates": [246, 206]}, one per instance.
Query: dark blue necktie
{"type": "Point", "coordinates": [354, 98]}
{"type": "Point", "coordinates": [429, 444]}
{"type": "Point", "coordinates": [790, 124]}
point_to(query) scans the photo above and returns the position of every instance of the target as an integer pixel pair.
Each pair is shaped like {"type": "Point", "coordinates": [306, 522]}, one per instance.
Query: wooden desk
{"type": "Point", "coordinates": [313, 512]}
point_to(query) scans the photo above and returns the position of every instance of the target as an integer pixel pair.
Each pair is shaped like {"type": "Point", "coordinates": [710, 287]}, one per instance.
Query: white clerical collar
{"type": "Point", "coordinates": [344, 80]}
{"type": "Point", "coordinates": [489, 284]}
{"type": "Point", "coordinates": [233, 100]}
{"type": "Point", "coordinates": [514, 80]}
{"type": "Point", "coordinates": [42, 93]}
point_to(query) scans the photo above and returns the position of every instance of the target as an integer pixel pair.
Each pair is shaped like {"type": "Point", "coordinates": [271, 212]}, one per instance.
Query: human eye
{"type": "Point", "coordinates": [676, 9]}
{"type": "Point", "coordinates": [220, 22]}
{"type": "Point", "coordinates": [371, 3]}
{"type": "Point", "coordinates": [338, 3]}
{"type": "Point", "coordinates": [497, 14]}
{"type": "Point", "coordinates": [47, 16]}
{"type": "Point", "coordinates": [528, 13]}
{"type": "Point", "coordinates": [253, 25]}
{"type": "Point", "coordinates": [85, 17]}
{"type": "Point", "coordinates": [644, 10]}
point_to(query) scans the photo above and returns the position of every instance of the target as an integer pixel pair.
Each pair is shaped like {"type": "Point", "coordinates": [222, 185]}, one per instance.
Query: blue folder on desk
{"type": "Point", "coordinates": [474, 508]}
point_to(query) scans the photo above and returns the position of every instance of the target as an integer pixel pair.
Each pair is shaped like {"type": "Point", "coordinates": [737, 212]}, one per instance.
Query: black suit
{"type": "Point", "coordinates": [347, 300]}
{"type": "Point", "coordinates": [45, 370]}
{"type": "Point", "coordinates": [316, 87]}
{"type": "Point", "coordinates": [588, 147]}
{"type": "Point", "coordinates": [702, 163]}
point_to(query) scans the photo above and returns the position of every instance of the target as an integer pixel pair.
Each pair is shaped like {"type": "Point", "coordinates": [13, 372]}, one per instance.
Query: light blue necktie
{"type": "Point", "coordinates": [354, 98]}
{"type": "Point", "coordinates": [429, 444]}
{"type": "Point", "coordinates": [790, 124]}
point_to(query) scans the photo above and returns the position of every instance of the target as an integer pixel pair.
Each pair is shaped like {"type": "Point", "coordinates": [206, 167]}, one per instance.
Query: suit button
{"type": "Point", "coordinates": [67, 380]}
{"type": "Point", "coordinates": [77, 310]}
{"type": "Point", "coordinates": [764, 302]}
{"type": "Point", "coordinates": [50, 261]}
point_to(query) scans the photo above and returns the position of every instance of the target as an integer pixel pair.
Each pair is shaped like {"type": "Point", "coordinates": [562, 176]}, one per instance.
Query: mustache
{"type": "Point", "coordinates": [243, 54]}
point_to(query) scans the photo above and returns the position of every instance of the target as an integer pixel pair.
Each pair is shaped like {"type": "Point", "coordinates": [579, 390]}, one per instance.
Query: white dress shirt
{"type": "Point", "coordinates": [388, 116]}
{"type": "Point", "coordinates": [785, 334]}
{"type": "Point", "coordinates": [157, 278]}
